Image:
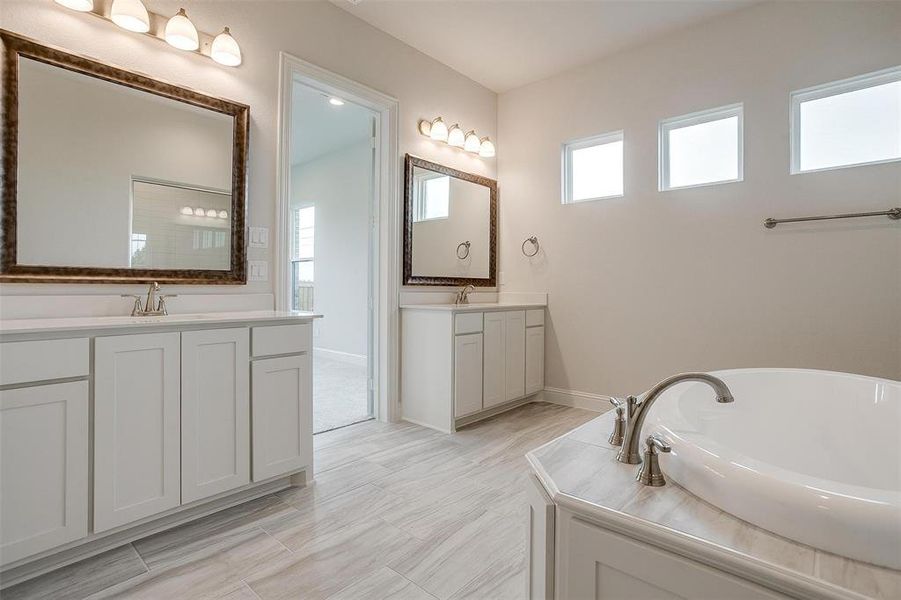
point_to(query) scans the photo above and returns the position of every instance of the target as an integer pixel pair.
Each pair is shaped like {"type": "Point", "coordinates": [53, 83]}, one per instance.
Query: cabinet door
{"type": "Point", "coordinates": [282, 415]}
{"type": "Point", "coordinates": [515, 354]}
{"type": "Point", "coordinates": [467, 374]}
{"type": "Point", "coordinates": [43, 468]}
{"type": "Point", "coordinates": [494, 375]}
{"type": "Point", "coordinates": [136, 427]}
{"type": "Point", "coordinates": [534, 359]}
{"type": "Point", "coordinates": [215, 412]}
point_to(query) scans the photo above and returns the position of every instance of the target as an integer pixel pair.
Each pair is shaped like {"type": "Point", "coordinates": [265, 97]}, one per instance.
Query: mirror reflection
{"type": "Point", "coordinates": [108, 174]}
{"type": "Point", "coordinates": [451, 223]}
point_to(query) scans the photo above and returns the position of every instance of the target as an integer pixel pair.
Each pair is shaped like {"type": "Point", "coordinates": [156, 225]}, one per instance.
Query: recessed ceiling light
{"type": "Point", "coordinates": [336, 101]}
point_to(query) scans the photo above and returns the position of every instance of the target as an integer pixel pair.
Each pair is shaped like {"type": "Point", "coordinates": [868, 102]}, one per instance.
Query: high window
{"type": "Point", "coordinates": [845, 123]}
{"type": "Point", "coordinates": [593, 168]}
{"type": "Point", "coordinates": [703, 148]}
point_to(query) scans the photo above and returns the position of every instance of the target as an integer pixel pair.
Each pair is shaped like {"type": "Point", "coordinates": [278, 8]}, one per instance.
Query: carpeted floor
{"type": "Point", "coordinates": [339, 392]}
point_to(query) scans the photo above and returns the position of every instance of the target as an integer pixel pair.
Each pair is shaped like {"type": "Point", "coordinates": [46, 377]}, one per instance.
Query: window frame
{"type": "Point", "coordinates": [826, 90]}
{"type": "Point", "coordinates": [580, 144]}
{"type": "Point", "coordinates": [664, 126]}
{"type": "Point", "coordinates": [420, 198]}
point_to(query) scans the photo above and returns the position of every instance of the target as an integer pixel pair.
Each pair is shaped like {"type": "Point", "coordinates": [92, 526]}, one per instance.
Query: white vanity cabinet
{"type": "Point", "coordinates": [463, 363]}
{"type": "Point", "coordinates": [137, 436]}
{"type": "Point", "coordinates": [186, 415]}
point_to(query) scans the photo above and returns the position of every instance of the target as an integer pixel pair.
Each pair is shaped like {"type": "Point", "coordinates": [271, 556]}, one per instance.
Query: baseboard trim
{"type": "Point", "coordinates": [345, 357]}
{"type": "Point", "coordinates": [575, 399]}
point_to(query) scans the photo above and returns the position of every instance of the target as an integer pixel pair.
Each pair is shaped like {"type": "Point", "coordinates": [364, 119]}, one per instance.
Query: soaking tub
{"type": "Point", "coordinates": [814, 456]}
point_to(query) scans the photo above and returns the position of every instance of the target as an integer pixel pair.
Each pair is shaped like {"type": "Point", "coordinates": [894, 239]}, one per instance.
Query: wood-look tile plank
{"type": "Point", "coordinates": [383, 584]}
{"type": "Point", "coordinates": [83, 578]}
{"type": "Point", "coordinates": [335, 481]}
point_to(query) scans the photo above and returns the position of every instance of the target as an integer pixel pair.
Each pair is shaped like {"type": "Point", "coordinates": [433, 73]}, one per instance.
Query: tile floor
{"type": "Point", "coordinates": [397, 511]}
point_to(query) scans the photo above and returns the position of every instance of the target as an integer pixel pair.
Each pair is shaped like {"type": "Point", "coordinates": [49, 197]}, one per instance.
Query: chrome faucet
{"type": "Point", "coordinates": [154, 305]}
{"type": "Point", "coordinates": [637, 410]}
{"type": "Point", "coordinates": [463, 295]}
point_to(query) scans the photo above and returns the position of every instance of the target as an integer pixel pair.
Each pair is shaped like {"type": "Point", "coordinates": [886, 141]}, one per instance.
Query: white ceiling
{"type": "Point", "coordinates": [504, 44]}
{"type": "Point", "coordinates": [319, 128]}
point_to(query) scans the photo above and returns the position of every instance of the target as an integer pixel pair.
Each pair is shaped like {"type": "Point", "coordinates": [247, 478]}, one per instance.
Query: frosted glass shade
{"type": "Point", "coordinates": [486, 148]}
{"type": "Point", "coordinates": [130, 15]}
{"type": "Point", "coordinates": [181, 33]}
{"type": "Point", "coordinates": [79, 5]}
{"type": "Point", "coordinates": [223, 214]}
{"type": "Point", "coordinates": [455, 136]}
{"type": "Point", "coordinates": [425, 128]}
{"type": "Point", "coordinates": [199, 212]}
{"type": "Point", "coordinates": [187, 210]}
{"type": "Point", "coordinates": [225, 50]}
{"type": "Point", "coordinates": [438, 130]}
{"type": "Point", "coordinates": [472, 142]}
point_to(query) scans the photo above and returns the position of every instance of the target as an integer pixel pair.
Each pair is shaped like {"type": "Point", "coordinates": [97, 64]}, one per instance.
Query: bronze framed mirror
{"type": "Point", "coordinates": [111, 176]}
{"type": "Point", "coordinates": [450, 226]}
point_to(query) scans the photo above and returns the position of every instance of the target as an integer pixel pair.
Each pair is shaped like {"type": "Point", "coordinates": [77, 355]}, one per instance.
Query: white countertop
{"type": "Point", "coordinates": [22, 326]}
{"type": "Point", "coordinates": [475, 307]}
{"type": "Point", "coordinates": [581, 474]}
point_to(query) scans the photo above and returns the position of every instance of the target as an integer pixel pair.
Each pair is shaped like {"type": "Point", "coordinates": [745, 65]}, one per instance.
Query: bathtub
{"type": "Point", "coordinates": [814, 456]}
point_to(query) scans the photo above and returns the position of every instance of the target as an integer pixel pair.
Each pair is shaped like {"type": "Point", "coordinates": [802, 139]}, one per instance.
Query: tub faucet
{"type": "Point", "coordinates": [637, 410]}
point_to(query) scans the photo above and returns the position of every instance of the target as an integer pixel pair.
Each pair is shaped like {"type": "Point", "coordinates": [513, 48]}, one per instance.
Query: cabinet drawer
{"type": "Point", "coordinates": [280, 339]}
{"type": "Point", "coordinates": [468, 323]}
{"type": "Point", "coordinates": [21, 362]}
{"type": "Point", "coordinates": [534, 317]}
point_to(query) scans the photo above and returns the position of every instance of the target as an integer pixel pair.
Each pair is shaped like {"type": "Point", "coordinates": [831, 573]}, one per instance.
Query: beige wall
{"type": "Point", "coordinates": [658, 282]}
{"type": "Point", "coordinates": [315, 31]}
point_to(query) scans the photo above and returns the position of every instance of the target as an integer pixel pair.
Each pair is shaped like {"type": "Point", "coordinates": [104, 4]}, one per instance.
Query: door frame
{"type": "Point", "coordinates": [385, 248]}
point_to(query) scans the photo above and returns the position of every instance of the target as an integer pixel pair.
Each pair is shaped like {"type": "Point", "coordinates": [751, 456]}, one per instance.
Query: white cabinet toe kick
{"type": "Point", "coordinates": [114, 433]}
{"type": "Point", "coordinates": [460, 366]}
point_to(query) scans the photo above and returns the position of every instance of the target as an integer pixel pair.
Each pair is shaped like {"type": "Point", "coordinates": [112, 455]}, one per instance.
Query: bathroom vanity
{"type": "Point", "coordinates": [465, 362]}
{"type": "Point", "coordinates": [595, 532]}
{"type": "Point", "coordinates": [114, 428]}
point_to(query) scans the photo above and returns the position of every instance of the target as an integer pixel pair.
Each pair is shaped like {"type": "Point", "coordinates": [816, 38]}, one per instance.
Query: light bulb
{"type": "Point", "coordinates": [486, 148]}
{"type": "Point", "coordinates": [130, 15]}
{"type": "Point", "coordinates": [199, 212]}
{"type": "Point", "coordinates": [187, 210]}
{"type": "Point", "coordinates": [455, 136]}
{"type": "Point", "coordinates": [438, 130]}
{"type": "Point", "coordinates": [181, 33]}
{"type": "Point", "coordinates": [425, 127]}
{"type": "Point", "coordinates": [336, 101]}
{"type": "Point", "coordinates": [79, 5]}
{"type": "Point", "coordinates": [223, 214]}
{"type": "Point", "coordinates": [212, 212]}
{"type": "Point", "coordinates": [472, 142]}
{"type": "Point", "coordinates": [225, 49]}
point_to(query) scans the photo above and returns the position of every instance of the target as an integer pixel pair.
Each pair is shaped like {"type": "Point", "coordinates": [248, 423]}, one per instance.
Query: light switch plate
{"type": "Point", "coordinates": [258, 270]}
{"type": "Point", "coordinates": [259, 237]}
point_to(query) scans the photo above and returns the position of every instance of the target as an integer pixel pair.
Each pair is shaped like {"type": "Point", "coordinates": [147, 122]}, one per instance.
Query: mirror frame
{"type": "Point", "coordinates": [411, 161]}
{"type": "Point", "coordinates": [15, 47]}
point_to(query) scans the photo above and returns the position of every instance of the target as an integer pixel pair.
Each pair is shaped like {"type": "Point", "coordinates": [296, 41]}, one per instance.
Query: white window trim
{"type": "Point", "coordinates": [833, 88]}
{"type": "Point", "coordinates": [579, 144]}
{"type": "Point", "coordinates": [419, 207]}
{"type": "Point", "coordinates": [664, 126]}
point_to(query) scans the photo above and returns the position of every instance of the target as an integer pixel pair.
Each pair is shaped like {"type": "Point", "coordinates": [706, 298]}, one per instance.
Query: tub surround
{"type": "Point", "coordinates": [579, 487]}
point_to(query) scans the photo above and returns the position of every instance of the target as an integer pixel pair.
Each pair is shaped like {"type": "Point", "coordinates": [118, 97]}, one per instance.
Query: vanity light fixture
{"type": "Point", "coordinates": [336, 101]}
{"type": "Point", "coordinates": [131, 15]}
{"type": "Point", "coordinates": [486, 148]}
{"type": "Point", "coordinates": [472, 142]}
{"type": "Point", "coordinates": [212, 212]}
{"type": "Point", "coordinates": [455, 137]}
{"type": "Point", "coordinates": [181, 33]}
{"type": "Point", "coordinates": [438, 130]}
{"type": "Point", "coordinates": [187, 211]}
{"type": "Point", "coordinates": [199, 212]}
{"type": "Point", "coordinates": [79, 5]}
{"type": "Point", "coordinates": [425, 127]}
{"type": "Point", "coordinates": [223, 214]}
{"type": "Point", "coordinates": [225, 50]}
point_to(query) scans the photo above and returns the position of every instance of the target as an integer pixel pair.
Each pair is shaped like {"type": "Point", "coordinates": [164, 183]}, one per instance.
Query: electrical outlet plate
{"type": "Point", "coordinates": [258, 237]}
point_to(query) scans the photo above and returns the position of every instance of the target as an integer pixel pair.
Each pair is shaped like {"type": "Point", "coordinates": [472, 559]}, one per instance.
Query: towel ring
{"type": "Point", "coordinates": [465, 245]}
{"type": "Point", "coordinates": [534, 241]}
